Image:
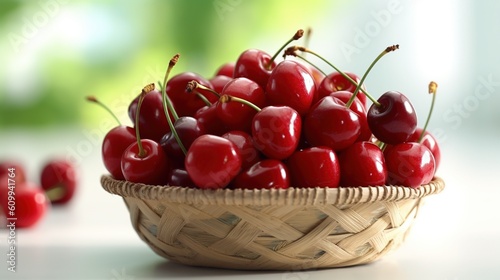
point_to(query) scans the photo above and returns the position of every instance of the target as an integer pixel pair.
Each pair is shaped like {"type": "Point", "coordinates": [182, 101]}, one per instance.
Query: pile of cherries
{"type": "Point", "coordinates": [258, 123]}
{"type": "Point", "coordinates": [26, 202]}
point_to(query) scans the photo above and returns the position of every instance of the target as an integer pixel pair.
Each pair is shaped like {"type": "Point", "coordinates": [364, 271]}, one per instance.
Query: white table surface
{"type": "Point", "coordinates": [455, 237]}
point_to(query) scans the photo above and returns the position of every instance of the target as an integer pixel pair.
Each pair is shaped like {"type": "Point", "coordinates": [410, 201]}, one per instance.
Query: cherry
{"type": "Point", "coordinates": [226, 69]}
{"type": "Point", "coordinates": [291, 84]}
{"type": "Point", "coordinates": [265, 174]}
{"type": "Point", "coordinates": [184, 103]}
{"type": "Point", "coordinates": [144, 161]}
{"type": "Point", "coordinates": [152, 122]}
{"type": "Point", "coordinates": [394, 119]}
{"type": "Point", "coordinates": [329, 123]}
{"type": "Point", "coordinates": [188, 129]}
{"type": "Point", "coordinates": [276, 131]}
{"type": "Point", "coordinates": [409, 164]}
{"type": "Point", "coordinates": [114, 143]}
{"type": "Point", "coordinates": [358, 108]}
{"type": "Point", "coordinates": [12, 167]}
{"type": "Point", "coordinates": [235, 115]}
{"type": "Point", "coordinates": [219, 82]}
{"type": "Point", "coordinates": [209, 119]}
{"type": "Point", "coordinates": [59, 180]}
{"type": "Point", "coordinates": [180, 177]}
{"type": "Point", "coordinates": [429, 141]}
{"type": "Point", "coordinates": [249, 154]}
{"type": "Point", "coordinates": [314, 167]}
{"type": "Point", "coordinates": [362, 164]}
{"type": "Point", "coordinates": [31, 204]}
{"type": "Point", "coordinates": [212, 162]}
{"type": "Point", "coordinates": [336, 82]}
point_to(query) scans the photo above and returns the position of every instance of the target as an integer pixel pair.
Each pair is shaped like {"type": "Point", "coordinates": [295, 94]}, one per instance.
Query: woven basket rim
{"type": "Point", "coordinates": [261, 197]}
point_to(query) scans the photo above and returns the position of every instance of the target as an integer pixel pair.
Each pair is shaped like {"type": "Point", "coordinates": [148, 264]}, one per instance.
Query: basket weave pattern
{"type": "Point", "coordinates": [291, 229]}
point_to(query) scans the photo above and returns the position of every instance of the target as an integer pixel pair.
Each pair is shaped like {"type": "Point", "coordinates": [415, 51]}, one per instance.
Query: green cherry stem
{"type": "Point", "coordinates": [432, 90]}
{"type": "Point", "coordinates": [95, 100]}
{"type": "Point", "coordinates": [295, 36]}
{"type": "Point", "coordinates": [142, 153]}
{"type": "Point", "coordinates": [358, 87]}
{"type": "Point", "coordinates": [167, 105]}
{"type": "Point", "coordinates": [293, 51]}
{"type": "Point", "coordinates": [228, 98]}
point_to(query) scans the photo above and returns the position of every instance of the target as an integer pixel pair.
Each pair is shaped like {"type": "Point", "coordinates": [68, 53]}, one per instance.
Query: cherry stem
{"type": "Point", "coordinates": [296, 36]}
{"type": "Point", "coordinates": [310, 63]}
{"type": "Point", "coordinates": [358, 87]}
{"type": "Point", "coordinates": [432, 90]}
{"type": "Point", "coordinates": [204, 99]}
{"type": "Point", "coordinates": [142, 153]}
{"type": "Point", "coordinates": [195, 86]}
{"type": "Point", "coordinates": [293, 51]}
{"type": "Point", "coordinates": [56, 192]}
{"type": "Point", "coordinates": [95, 100]}
{"type": "Point", "coordinates": [167, 105]}
{"type": "Point", "coordinates": [228, 98]}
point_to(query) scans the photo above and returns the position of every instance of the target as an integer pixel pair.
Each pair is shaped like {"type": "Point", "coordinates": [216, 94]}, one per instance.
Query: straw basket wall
{"type": "Point", "coordinates": [292, 229]}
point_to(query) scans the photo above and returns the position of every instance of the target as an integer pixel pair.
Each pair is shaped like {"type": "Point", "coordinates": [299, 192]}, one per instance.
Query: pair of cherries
{"type": "Point", "coordinates": [262, 124]}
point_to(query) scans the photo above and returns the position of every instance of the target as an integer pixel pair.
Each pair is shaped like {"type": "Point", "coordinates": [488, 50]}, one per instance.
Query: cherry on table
{"type": "Point", "coordinates": [13, 169]}
{"type": "Point", "coordinates": [314, 167]}
{"type": "Point", "coordinates": [265, 174]}
{"type": "Point", "coordinates": [31, 204]}
{"type": "Point", "coordinates": [59, 180]}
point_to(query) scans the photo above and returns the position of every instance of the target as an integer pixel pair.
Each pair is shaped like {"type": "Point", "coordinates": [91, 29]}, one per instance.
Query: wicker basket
{"type": "Point", "coordinates": [292, 229]}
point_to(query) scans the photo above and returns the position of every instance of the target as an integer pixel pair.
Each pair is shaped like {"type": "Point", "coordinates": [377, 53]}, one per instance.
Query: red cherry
{"type": "Point", "coordinates": [150, 168]}
{"type": "Point", "coordinates": [208, 118]}
{"type": "Point", "coordinates": [314, 167]}
{"type": "Point", "coordinates": [59, 180]}
{"type": "Point", "coordinates": [185, 103]}
{"type": "Point", "coordinates": [253, 64]}
{"type": "Point", "coordinates": [265, 174]}
{"type": "Point", "coordinates": [235, 115]}
{"type": "Point", "coordinates": [226, 69]}
{"type": "Point", "coordinates": [329, 123]}
{"type": "Point", "coordinates": [361, 165]}
{"type": "Point", "coordinates": [394, 120]}
{"type": "Point", "coordinates": [152, 121]}
{"type": "Point", "coordinates": [114, 144]}
{"type": "Point", "coordinates": [429, 141]}
{"type": "Point", "coordinates": [357, 107]}
{"type": "Point", "coordinates": [409, 164]}
{"type": "Point", "coordinates": [291, 84]}
{"type": "Point", "coordinates": [249, 154]}
{"type": "Point", "coordinates": [212, 162]}
{"type": "Point", "coordinates": [336, 82]}
{"type": "Point", "coordinates": [188, 129]}
{"type": "Point", "coordinates": [276, 131]}
{"type": "Point", "coordinates": [180, 177]}
{"type": "Point", "coordinates": [219, 82]}
{"type": "Point", "coordinates": [30, 206]}
{"type": "Point", "coordinates": [14, 168]}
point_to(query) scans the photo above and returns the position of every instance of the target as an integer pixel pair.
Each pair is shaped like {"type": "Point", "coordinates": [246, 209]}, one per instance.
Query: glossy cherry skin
{"type": "Point", "coordinates": [357, 107]}
{"type": "Point", "coordinates": [429, 141]}
{"type": "Point", "coordinates": [219, 82]}
{"type": "Point", "coordinates": [329, 123]}
{"type": "Point", "coordinates": [31, 205]}
{"type": "Point", "coordinates": [314, 167]}
{"type": "Point", "coordinates": [180, 177]}
{"type": "Point", "coordinates": [265, 174]}
{"type": "Point", "coordinates": [212, 162]}
{"type": "Point", "coordinates": [152, 121]}
{"type": "Point", "coordinates": [208, 118]}
{"type": "Point", "coordinates": [336, 82]}
{"type": "Point", "coordinates": [114, 144]}
{"type": "Point", "coordinates": [394, 120]}
{"type": "Point", "coordinates": [361, 165]}
{"type": "Point", "coordinates": [276, 131]}
{"type": "Point", "coordinates": [226, 69]}
{"type": "Point", "coordinates": [152, 169]}
{"type": "Point", "coordinates": [409, 164]}
{"type": "Point", "coordinates": [60, 174]}
{"type": "Point", "coordinates": [185, 103]}
{"type": "Point", "coordinates": [249, 154]}
{"type": "Point", "coordinates": [236, 115]}
{"type": "Point", "coordinates": [252, 64]}
{"type": "Point", "coordinates": [292, 85]}
{"type": "Point", "coordinates": [188, 129]}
